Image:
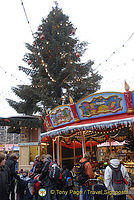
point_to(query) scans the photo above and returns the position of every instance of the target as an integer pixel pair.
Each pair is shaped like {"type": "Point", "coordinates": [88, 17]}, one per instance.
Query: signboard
{"type": "Point", "coordinates": [28, 144]}
{"type": "Point", "coordinates": [100, 105]}
{"type": "Point", "coordinates": [61, 115]}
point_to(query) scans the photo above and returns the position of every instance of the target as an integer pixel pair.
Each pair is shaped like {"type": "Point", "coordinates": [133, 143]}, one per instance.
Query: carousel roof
{"type": "Point", "coordinates": [90, 126]}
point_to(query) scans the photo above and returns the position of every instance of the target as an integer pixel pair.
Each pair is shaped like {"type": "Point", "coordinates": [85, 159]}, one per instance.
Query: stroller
{"type": "Point", "coordinates": [98, 190]}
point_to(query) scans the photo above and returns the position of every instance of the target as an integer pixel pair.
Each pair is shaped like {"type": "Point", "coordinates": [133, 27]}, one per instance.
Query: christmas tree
{"type": "Point", "coordinates": [55, 67]}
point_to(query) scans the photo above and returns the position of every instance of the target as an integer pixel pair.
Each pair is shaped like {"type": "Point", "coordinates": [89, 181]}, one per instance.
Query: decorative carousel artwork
{"type": "Point", "coordinates": [61, 116]}
{"type": "Point", "coordinates": [100, 105]}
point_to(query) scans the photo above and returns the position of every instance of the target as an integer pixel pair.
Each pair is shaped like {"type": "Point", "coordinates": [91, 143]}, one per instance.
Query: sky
{"type": "Point", "coordinates": [107, 26]}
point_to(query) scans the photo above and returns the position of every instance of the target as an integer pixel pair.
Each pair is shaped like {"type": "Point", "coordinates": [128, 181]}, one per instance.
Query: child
{"type": "Point", "coordinates": [23, 192]}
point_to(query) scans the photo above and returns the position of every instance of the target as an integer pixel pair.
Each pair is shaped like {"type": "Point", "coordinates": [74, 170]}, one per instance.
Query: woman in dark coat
{"type": "Point", "coordinates": [4, 179]}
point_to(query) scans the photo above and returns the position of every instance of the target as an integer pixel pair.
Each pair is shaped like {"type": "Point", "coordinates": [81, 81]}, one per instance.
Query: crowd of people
{"type": "Point", "coordinates": [47, 181]}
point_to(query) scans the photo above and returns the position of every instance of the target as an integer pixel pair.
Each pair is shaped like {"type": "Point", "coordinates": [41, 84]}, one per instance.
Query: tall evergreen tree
{"type": "Point", "coordinates": [55, 66]}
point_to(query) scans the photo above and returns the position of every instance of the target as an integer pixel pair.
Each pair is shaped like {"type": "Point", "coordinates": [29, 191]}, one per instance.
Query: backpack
{"type": "Point", "coordinates": [54, 171]}
{"type": "Point", "coordinates": [67, 176]}
{"type": "Point", "coordinates": [117, 179]}
{"type": "Point", "coordinates": [81, 176]}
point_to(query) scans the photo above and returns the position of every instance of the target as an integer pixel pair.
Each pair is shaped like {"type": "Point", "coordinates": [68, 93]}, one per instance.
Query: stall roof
{"type": "Point", "coordinates": [88, 126]}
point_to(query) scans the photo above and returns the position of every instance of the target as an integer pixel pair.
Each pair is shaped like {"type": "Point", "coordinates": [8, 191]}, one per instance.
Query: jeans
{"type": "Point", "coordinates": [49, 195]}
{"type": "Point", "coordinates": [12, 190]}
{"type": "Point", "coordinates": [85, 193]}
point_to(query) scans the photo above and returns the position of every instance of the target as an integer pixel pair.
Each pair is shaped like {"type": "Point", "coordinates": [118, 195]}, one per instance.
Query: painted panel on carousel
{"type": "Point", "coordinates": [100, 105]}
{"type": "Point", "coordinates": [133, 98]}
{"type": "Point", "coordinates": [61, 115]}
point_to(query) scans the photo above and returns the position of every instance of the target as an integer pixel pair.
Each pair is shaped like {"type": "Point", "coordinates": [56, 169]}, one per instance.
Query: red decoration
{"type": "Point", "coordinates": [73, 31]}
{"type": "Point", "coordinates": [48, 120]}
{"type": "Point", "coordinates": [128, 98]}
{"type": "Point", "coordinates": [77, 55]}
{"type": "Point", "coordinates": [42, 37]}
{"type": "Point", "coordinates": [6, 120]}
{"type": "Point", "coordinates": [106, 136]}
{"type": "Point", "coordinates": [34, 44]}
{"type": "Point", "coordinates": [74, 111]}
{"type": "Point", "coordinates": [29, 62]}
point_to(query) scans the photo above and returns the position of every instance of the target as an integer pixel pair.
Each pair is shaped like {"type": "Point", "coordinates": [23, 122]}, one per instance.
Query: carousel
{"type": "Point", "coordinates": [73, 129]}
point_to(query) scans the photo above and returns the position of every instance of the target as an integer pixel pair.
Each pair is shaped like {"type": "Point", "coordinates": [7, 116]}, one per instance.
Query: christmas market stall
{"type": "Point", "coordinates": [27, 130]}
{"type": "Point", "coordinates": [79, 127]}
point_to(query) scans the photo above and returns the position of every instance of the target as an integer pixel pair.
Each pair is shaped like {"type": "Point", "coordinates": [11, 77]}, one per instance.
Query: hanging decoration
{"type": "Point", "coordinates": [29, 62]}
{"type": "Point", "coordinates": [77, 55]}
{"type": "Point", "coordinates": [73, 31]}
{"type": "Point", "coordinates": [42, 37]}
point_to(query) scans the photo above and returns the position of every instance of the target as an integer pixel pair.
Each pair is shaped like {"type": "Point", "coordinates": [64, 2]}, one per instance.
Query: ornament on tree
{"type": "Point", "coordinates": [34, 44]}
{"type": "Point", "coordinates": [77, 55]}
{"type": "Point", "coordinates": [42, 37]}
{"type": "Point", "coordinates": [29, 62]}
{"type": "Point", "coordinates": [73, 31]}
{"type": "Point", "coordinates": [39, 28]}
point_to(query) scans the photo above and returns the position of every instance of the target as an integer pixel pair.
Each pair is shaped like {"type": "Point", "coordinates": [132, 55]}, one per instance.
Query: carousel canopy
{"type": "Point", "coordinates": [94, 130]}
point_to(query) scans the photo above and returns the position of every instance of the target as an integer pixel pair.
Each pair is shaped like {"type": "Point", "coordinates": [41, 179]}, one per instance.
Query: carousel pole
{"type": "Point", "coordinates": [45, 148]}
{"type": "Point", "coordinates": [53, 150]}
{"type": "Point", "coordinates": [60, 154]}
{"type": "Point", "coordinates": [58, 151]}
{"type": "Point", "coordinates": [83, 144]}
{"type": "Point", "coordinates": [110, 145]}
{"type": "Point", "coordinates": [74, 152]}
{"type": "Point", "coordinates": [91, 148]}
{"type": "Point", "coordinates": [133, 128]}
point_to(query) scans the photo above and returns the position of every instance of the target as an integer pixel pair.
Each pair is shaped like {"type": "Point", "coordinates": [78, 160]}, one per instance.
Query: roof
{"type": "Point", "coordinates": [88, 126]}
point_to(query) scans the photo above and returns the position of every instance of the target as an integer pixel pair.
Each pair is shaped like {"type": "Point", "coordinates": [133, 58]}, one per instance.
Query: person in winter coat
{"type": "Point", "coordinates": [4, 179]}
{"type": "Point", "coordinates": [108, 177]}
{"type": "Point", "coordinates": [37, 160]}
{"type": "Point", "coordinates": [89, 172]}
{"type": "Point", "coordinates": [11, 164]}
{"type": "Point", "coordinates": [47, 183]}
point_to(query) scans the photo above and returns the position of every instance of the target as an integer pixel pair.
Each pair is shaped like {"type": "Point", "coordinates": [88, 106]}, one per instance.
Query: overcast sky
{"type": "Point", "coordinates": [105, 24]}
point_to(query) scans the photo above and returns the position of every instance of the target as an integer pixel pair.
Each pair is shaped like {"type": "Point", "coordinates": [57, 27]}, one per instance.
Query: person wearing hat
{"type": "Point", "coordinates": [113, 181]}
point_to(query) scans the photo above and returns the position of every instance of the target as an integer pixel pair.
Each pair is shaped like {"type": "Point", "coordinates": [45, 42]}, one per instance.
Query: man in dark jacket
{"type": "Point", "coordinates": [47, 183]}
{"type": "Point", "coordinates": [11, 163]}
{"type": "Point", "coordinates": [4, 179]}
